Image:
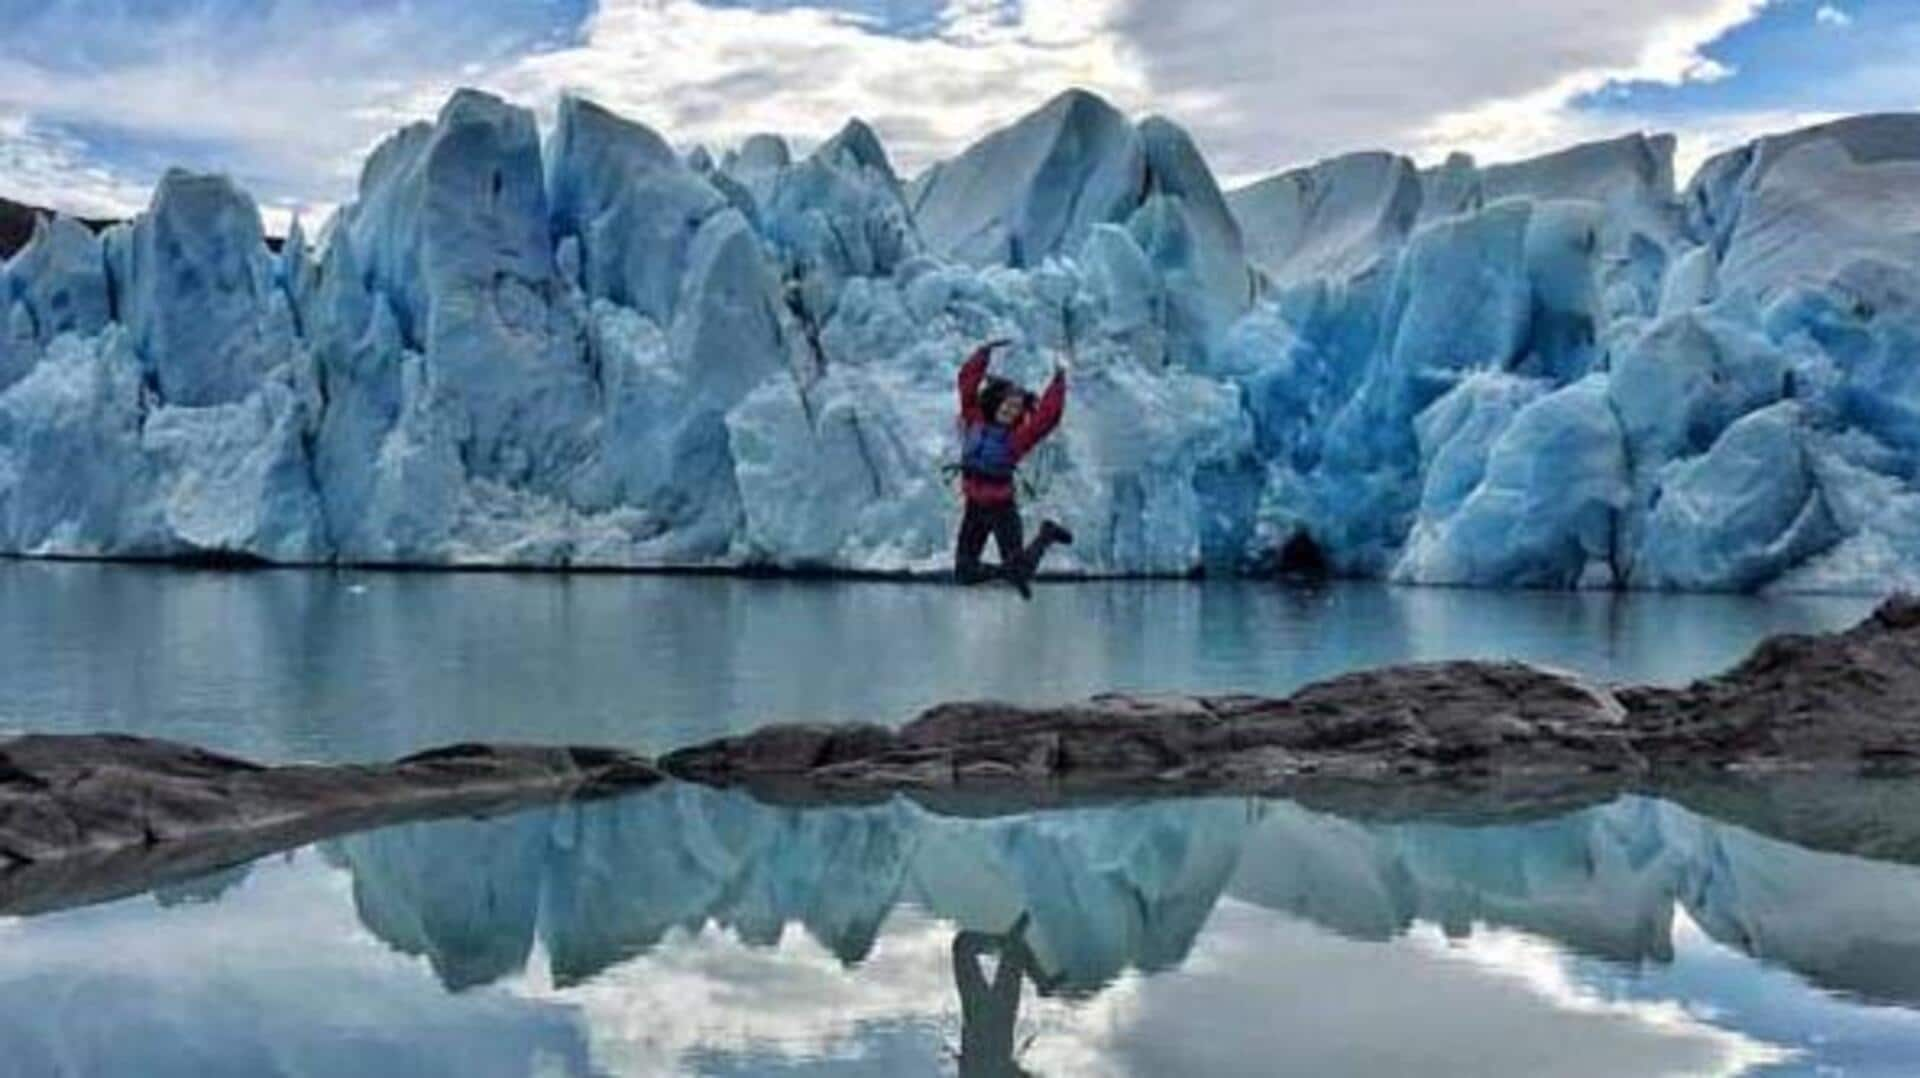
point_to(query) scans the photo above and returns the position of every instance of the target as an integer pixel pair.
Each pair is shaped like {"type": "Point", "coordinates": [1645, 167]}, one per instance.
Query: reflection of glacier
{"type": "Point", "coordinates": [593, 349]}
{"type": "Point", "coordinates": [1117, 887]}
{"type": "Point", "coordinates": [1105, 889]}
{"type": "Point", "coordinates": [1604, 881]}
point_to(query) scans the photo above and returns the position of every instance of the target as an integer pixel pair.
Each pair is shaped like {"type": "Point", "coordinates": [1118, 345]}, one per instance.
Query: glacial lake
{"type": "Point", "coordinates": [1740, 927]}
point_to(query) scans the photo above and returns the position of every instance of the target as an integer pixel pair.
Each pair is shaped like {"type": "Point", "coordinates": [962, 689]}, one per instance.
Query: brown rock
{"type": "Point", "coordinates": [1430, 721]}
{"type": "Point", "coordinates": [88, 817]}
{"type": "Point", "coordinates": [1849, 700]}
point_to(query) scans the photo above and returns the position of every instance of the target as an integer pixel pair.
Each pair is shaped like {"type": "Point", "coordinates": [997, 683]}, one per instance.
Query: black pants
{"type": "Point", "coordinates": [1017, 562]}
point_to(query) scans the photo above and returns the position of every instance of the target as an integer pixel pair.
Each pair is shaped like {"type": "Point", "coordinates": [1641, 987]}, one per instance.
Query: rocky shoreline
{"type": "Point", "coordinates": [1847, 701]}
{"type": "Point", "coordinates": [90, 817]}
{"type": "Point", "coordinates": [84, 818]}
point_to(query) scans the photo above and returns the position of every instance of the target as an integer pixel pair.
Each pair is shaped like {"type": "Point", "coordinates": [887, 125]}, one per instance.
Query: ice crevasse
{"type": "Point", "coordinates": [594, 349]}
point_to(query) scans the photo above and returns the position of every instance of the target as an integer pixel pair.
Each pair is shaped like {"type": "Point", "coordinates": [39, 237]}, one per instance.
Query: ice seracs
{"type": "Point", "coordinates": [602, 349]}
{"type": "Point", "coordinates": [1329, 220]}
{"type": "Point", "coordinates": [64, 288]}
{"type": "Point", "coordinates": [1034, 189]}
{"type": "Point", "coordinates": [1683, 310]}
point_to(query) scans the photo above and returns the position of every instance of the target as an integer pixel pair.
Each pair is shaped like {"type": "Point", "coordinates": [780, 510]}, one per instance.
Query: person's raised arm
{"type": "Point", "coordinates": [1043, 417]}
{"type": "Point", "coordinates": [972, 373]}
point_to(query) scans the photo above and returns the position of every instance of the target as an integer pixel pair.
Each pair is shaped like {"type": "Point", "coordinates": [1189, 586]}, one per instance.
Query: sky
{"type": "Point", "coordinates": [99, 97]}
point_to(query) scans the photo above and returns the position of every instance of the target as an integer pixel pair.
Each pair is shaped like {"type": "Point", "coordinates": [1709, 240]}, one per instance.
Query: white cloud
{"type": "Point", "coordinates": [1512, 1002]}
{"type": "Point", "coordinates": [276, 974]}
{"type": "Point", "coordinates": [1543, 969]}
{"type": "Point", "coordinates": [1828, 15]}
{"type": "Point", "coordinates": [294, 111]}
{"type": "Point", "coordinates": [286, 97]}
{"type": "Point", "coordinates": [711, 996]}
{"type": "Point", "coordinates": [44, 168]}
{"type": "Point", "coordinates": [292, 107]}
{"type": "Point", "coordinates": [1265, 84]}
{"type": "Point", "coordinates": [1511, 1006]}
{"type": "Point", "coordinates": [715, 75]}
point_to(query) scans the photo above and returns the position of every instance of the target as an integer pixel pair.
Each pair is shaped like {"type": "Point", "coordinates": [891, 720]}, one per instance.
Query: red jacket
{"type": "Point", "coordinates": [1034, 426]}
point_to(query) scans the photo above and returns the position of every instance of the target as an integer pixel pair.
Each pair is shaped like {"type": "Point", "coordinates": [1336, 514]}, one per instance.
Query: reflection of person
{"type": "Point", "coordinates": [989, 1009]}
{"type": "Point", "coordinates": [1000, 424]}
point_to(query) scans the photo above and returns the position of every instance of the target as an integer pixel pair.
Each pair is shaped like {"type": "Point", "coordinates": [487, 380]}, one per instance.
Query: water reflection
{"type": "Point", "coordinates": [1605, 882]}
{"type": "Point", "coordinates": [1090, 893]}
{"type": "Point", "coordinates": [688, 929]}
{"type": "Point", "coordinates": [990, 1005]}
{"type": "Point", "coordinates": [1095, 891]}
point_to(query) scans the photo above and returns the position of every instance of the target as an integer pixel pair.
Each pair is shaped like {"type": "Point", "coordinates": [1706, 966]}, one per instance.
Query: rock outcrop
{"type": "Point", "coordinates": [18, 220]}
{"type": "Point", "coordinates": [87, 817]}
{"type": "Point", "coordinates": [92, 816]}
{"type": "Point", "coordinates": [1424, 721]}
{"type": "Point", "coordinates": [1849, 700]}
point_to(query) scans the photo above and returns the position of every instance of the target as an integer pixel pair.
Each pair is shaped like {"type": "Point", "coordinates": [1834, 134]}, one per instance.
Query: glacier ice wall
{"type": "Point", "coordinates": [593, 350]}
{"type": "Point", "coordinates": [1566, 373]}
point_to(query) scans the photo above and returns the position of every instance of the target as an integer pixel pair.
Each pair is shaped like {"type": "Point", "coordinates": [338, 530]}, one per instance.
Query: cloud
{"type": "Point", "coordinates": [1513, 1002]}
{"type": "Point", "coordinates": [207, 983]}
{"type": "Point", "coordinates": [1264, 84]}
{"type": "Point", "coordinates": [1512, 1006]}
{"type": "Point", "coordinates": [290, 102]}
{"type": "Point", "coordinates": [1828, 15]}
{"type": "Point", "coordinates": [45, 168]}
{"type": "Point", "coordinates": [288, 97]}
{"type": "Point", "coordinates": [710, 997]}
{"type": "Point", "coordinates": [675, 65]}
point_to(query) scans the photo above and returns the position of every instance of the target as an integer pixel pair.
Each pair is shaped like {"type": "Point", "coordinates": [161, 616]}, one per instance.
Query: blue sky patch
{"type": "Point", "coordinates": [1797, 56]}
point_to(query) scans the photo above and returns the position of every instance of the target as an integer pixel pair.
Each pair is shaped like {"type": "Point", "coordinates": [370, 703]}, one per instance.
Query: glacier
{"type": "Point", "coordinates": [584, 347]}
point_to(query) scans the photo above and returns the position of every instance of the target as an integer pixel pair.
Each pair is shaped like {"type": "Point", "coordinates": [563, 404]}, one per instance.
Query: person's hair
{"type": "Point", "coordinates": [994, 392]}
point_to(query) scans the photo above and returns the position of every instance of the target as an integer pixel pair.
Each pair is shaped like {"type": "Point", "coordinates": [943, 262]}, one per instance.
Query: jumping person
{"type": "Point", "coordinates": [1000, 423]}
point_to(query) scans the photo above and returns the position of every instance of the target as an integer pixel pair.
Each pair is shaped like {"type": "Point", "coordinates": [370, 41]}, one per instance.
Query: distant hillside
{"type": "Point", "coordinates": [16, 226]}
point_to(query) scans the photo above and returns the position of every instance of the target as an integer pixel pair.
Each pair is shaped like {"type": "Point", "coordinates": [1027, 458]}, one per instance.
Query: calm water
{"type": "Point", "coordinates": [1770, 929]}
{"type": "Point", "coordinates": [305, 665]}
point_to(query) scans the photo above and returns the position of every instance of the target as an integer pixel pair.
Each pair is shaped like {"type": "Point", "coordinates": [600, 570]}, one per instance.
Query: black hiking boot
{"type": "Point", "coordinates": [1052, 531]}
